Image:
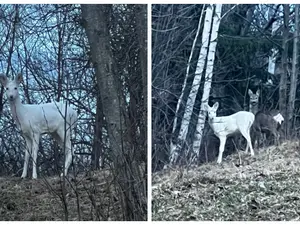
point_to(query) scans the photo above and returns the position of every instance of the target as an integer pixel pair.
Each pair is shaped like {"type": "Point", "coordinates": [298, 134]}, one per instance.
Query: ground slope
{"type": "Point", "coordinates": [266, 187]}
{"type": "Point", "coordinates": [88, 198]}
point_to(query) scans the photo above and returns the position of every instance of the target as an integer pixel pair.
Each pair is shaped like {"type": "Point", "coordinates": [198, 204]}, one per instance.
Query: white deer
{"type": "Point", "coordinates": [224, 126]}
{"type": "Point", "coordinates": [34, 120]}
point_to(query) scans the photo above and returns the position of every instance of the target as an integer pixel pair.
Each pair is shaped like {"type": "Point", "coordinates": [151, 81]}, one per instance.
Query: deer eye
{"type": "Point", "coordinates": [7, 89]}
{"type": "Point", "coordinates": [15, 88]}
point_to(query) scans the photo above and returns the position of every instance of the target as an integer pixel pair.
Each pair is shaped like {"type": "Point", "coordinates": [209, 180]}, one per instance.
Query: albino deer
{"type": "Point", "coordinates": [224, 126]}
{"type": "Point", "coordinates": [34, 120]}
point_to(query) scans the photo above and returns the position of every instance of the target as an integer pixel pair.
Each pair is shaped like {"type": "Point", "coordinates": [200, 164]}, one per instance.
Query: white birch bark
{"type": "Point", "coordinates": [208, 80]}
{"type": "Point", "coordinates": [174, 151]}
{"type": "Point", "coordinates": [172, 146]}
{"type": "Point", "coordinates": [272, 57]}
{"type": "Point", "coordinates": [294, 78]}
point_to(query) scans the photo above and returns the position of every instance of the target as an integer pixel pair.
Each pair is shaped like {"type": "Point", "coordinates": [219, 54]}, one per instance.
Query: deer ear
{"type": "Point", "coordinates": [205, 106]}
{"type": "Point", "coordinates": [3, 79]}
{"type": "Point", "coordinates": [19, 78]}
{"type": "Point", "coordinates": [250, 92]}
{"type": "Point", "coordinates": [257, 92]}
{"type": "Point", "coordinates": [216, 105]}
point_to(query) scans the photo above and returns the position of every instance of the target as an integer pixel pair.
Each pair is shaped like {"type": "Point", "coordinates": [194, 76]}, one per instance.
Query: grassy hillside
{"type": "Point", "coordinates": [88, 198]}
{"type": "Point", "coordinates": [264, 187]}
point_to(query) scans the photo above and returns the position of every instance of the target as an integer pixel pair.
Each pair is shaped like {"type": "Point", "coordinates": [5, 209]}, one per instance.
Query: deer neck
{"type": "Point", "coordinates": [17, 110]}
{"type": "Point", "coordinates": [253, 107]}
{"type": "Point", "coordinates": [214, 121]}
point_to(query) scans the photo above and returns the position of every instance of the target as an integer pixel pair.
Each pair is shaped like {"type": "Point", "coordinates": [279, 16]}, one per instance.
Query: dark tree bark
{"type": "Point", "coordinates": [97, 145]}
{"type": "Point", "coordinates": [141, 29]}
{"type": "Point", "coordinates": [247, 22]}
{"type": "Point", "coordinates": [96, 23]}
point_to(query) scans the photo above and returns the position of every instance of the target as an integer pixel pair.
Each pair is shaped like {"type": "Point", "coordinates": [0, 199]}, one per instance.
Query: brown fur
{"type": "Point", "coordinates": [264, 123]}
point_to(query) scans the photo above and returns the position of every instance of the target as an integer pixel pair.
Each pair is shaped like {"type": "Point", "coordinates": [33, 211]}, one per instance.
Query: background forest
{"type": "Point", "coordinates": [95, 58]}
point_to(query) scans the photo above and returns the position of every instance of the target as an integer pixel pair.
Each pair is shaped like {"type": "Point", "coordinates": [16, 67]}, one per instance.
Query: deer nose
{"type": "Point", "coordinates": [11, 97]}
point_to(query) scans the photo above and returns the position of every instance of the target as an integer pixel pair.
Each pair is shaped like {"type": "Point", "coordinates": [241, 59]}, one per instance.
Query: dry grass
{"type": "Point", "coordinates": [264, 187]}
{"type": "Point", "coordinates": [40, 199]}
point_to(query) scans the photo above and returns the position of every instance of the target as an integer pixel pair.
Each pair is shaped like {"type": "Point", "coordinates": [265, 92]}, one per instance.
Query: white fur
{"type": "Point", "coordinates": [226, 125]}
{"type": "Point", "coordinates": [278, 118]}
{"type": "Point", "coordinates": [35, 120]}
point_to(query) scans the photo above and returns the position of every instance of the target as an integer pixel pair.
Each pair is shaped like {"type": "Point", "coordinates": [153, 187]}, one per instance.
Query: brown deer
{"type": "Point", "coordinates": [265, 122]}
{"type": "Point", "coordinates": [253, 103]}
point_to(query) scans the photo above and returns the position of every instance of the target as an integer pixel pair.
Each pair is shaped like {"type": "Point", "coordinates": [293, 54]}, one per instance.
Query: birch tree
{"type": "Point", "coordinates": [272, 57]}
{"type": "Point", "coordinates": [179, 103]}
{"type": "Point", "coordinates": [210, 28]}
{"type": "Point", "coordinates": [175, 149]}
{"type": "Point", "coordinates": [294, 79]}
{"type": "Point", "coordinates": [208, 80]}
{"type": "Point", "coordinates": [284, 63]}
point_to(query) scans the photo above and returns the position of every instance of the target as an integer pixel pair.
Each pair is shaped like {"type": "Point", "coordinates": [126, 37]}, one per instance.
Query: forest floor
{"type": "Point", "coordinates": [264, 187]}
{"type": "Point", "coordinates": [87, 198]}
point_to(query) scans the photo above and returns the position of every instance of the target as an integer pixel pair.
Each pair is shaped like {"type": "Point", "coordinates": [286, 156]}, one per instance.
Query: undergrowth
{"type": "Point", "coordinates": [263, 187]}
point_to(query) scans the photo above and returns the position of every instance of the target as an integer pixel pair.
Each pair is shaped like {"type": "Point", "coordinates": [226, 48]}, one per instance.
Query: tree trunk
{"type": "Point", "coordinates": [272, 58]}
{"type": "Point", "coordinates": [141, 25]}
{"type": "Point", "coordinates": [294, 78]}
{"type": "Point", "coordinates": [96, 25]}
{"type": "Point", "coordinates": [175, 149]}
{"type": "Point", "coordinates": [60, 53]}
{"type": "Point", "coordinates": [208, 80]}
{"type": "Point", "coordinates": [284, 62]}
{"type": "Point", "coordinates": [249, 16]}
{"type": "Point", "coordinates": [179, 103]}
{"type": "Point", "coordinates": [96, 22]}
{"type": "Point", "coordinates": [141, 31]}
{"type": "Point", "coordinates": [97, 144]}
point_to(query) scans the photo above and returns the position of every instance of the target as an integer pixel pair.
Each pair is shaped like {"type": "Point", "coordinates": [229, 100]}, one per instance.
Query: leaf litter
{"type": "Point", "coordinates": [243, 188]}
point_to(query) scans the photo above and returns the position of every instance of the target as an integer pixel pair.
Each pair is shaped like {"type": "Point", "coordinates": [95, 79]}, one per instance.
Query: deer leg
{"type": "Point", "coordinates": [28, 152]}
{"type": "Point", "coordinates": [221, 148]}
{"type": "Point", "coordinates": [67, 148]}
{"type": "Point", "coordinates": [247, 148]}
{"type": "Point", "coordinates": [276, 136]}
{"type": "Point", "coordinates": [246, 135]}
{"type": "Point", "coordinates": [35, 148]}
{"type": "Point", "coordinates": [258, 138]}
{"type": "Point", "coordinates": [269, 136]}
{"type": "Point", "coordinates": [254, 140]}
{"type": "Point", "coordinates": [266, 139]}
{"type": "Point", "coordinates": [253, 134]}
